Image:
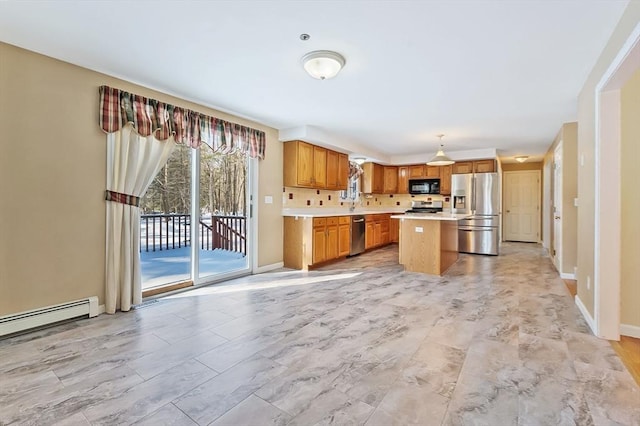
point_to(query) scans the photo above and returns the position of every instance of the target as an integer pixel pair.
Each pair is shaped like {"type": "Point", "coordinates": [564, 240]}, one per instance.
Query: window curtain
{"type": "Point", "coordinates": [132, 163]}
{"type": "Point", "coordinates": [141, 135]}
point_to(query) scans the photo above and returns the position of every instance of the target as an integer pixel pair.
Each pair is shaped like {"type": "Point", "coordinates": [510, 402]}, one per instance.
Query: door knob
{"type": "Point", "coordinates": [557, 217]}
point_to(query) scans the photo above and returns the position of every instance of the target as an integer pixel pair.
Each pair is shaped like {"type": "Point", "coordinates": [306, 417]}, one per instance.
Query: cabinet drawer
{"type": "Point", "coordinates": [345, 220]}
{"type": "Point", "coordinates": [333, 220]}
{"type": "Point", "coordinates": [370, 218]}
{"type": "Point", "coordinates": [319, 221]}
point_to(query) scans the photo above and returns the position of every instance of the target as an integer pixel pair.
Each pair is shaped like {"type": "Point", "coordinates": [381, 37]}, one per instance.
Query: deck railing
{"type": "Point", "coordinates": [160, 232]}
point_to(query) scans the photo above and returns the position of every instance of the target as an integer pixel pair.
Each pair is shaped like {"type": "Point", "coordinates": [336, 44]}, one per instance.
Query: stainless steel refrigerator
{"type": "Point", "coordinates": [478, 195]}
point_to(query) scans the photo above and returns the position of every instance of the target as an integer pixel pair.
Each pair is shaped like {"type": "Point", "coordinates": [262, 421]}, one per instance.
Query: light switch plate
{"type": "Point", "coordinates": [419, 229]}
{"type": "Point", "coordinates": [268, 199]}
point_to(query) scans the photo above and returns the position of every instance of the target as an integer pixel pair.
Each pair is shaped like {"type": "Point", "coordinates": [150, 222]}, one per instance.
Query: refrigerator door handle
{"type": "Point", "coordinates": [473, 193]}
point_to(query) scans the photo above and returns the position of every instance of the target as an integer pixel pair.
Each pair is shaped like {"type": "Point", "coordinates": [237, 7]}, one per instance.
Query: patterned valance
{"type": "Point", "coordinates": [191, 128]}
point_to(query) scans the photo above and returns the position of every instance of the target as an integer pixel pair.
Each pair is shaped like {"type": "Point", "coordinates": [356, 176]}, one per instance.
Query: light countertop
{"type": "Point", "coordinates": [338, 212]}
{"type": "Point", "coordinates": [431, 216]}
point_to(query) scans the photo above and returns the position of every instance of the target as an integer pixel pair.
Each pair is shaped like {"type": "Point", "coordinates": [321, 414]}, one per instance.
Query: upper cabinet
{"type": "Point", "coordinates": [445, 180]}
{"type": "Point", "coordinates": [476, 166]}
{"type": "Point", "coordinates": [433, 171]}
{"type": "Point", "coordinates": [390, 185]}
{"type": "Point", "coordinates": [417, 171]}
{"type": "Point", "coordinates": [311, 166]}
{"type": "Point", "coordinates": [403, 180]}
{"type": "Point", "coordinates": [372, 178]}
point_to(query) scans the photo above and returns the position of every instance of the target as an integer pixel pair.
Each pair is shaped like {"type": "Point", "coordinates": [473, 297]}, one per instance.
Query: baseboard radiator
{"type": "Point", "coordinates": [16, 323]}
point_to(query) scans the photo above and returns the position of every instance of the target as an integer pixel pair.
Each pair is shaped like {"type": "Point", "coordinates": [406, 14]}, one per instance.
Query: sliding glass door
{"type": "Point", "coordinates": [195, 220]}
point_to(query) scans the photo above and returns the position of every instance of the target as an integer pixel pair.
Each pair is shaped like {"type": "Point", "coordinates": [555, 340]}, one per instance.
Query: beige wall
{"type": "Point", "coordinates": [630, 206]}
{"type": "Point", "coordinates": [586, 150]}
{"type": "Point", "coordinates": [52, 181]}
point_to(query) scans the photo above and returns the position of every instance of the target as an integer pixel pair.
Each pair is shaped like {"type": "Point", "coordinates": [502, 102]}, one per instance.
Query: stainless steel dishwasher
{"type": "Point", "coordinates": [357, 234]}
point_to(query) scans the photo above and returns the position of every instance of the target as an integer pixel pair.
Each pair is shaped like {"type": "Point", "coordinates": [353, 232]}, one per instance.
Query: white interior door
{"type": "Point", "coordinates": [522, 206]}
{"type": "Point", "coordinates": [556, 251]}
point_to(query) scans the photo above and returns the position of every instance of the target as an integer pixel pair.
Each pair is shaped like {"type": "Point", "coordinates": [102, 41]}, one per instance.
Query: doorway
{"type": "Point", "coordinates": [522, 206]}
{"type": "Point", "coordinates": [556, 243]}
{"type": "Point", "coordinates": [195, 220]}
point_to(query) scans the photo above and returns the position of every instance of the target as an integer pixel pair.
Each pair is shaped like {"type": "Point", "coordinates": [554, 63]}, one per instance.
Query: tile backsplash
{"type": "Point", "coordinates": [294, 198]}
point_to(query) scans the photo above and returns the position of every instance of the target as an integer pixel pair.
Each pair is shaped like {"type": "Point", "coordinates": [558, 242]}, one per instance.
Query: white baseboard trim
{"type": "Point", "coordinates": [587, 316]}
{"type": "Point", "coordinates": [267, 268]}
{"type": "Point", "coordinates": [630, 330]}
{"type": "Point", "coordinates": [566, 276]}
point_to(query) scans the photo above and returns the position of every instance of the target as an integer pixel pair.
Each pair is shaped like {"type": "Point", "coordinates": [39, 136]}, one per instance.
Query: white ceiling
{"type": "Point", "coordinates": [499, 75]}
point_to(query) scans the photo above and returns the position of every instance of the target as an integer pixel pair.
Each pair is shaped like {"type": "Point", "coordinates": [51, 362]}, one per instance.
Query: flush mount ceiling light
{"type": "Point", "coordinates": [521, 158]}
{"type": "Point", "coordinates": [359, 160]}
{"type": "Point", "coordinates": [323, 64]}
{"type": "Point", "coordinates": [440, 159]}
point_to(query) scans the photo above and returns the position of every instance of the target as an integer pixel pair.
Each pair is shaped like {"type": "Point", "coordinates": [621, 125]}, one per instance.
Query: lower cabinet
{"type": "Point", "coordinates": [377, 230]}
{"type": "Point", "coordinates": [311, 241]}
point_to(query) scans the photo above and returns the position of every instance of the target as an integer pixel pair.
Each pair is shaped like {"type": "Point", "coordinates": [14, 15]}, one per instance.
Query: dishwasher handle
{"type": "Point", "coordinates": [358, 220]}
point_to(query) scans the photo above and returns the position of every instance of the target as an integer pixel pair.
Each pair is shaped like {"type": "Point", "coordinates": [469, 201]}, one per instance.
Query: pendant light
{"type": "Point", "coordinates": [440, 159]}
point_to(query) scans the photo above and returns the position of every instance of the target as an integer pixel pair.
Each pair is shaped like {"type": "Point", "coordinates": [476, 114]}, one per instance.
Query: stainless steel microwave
{"type": "Point", "coordinates": [424, 186]}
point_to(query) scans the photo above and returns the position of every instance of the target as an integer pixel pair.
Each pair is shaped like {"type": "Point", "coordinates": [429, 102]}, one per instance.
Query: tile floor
{"type": "Point", "coordinates": [496, 341]}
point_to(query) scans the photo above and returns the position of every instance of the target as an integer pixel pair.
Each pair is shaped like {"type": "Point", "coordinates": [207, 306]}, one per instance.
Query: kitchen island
{"type": "Point", "coordinates": [428, 242]}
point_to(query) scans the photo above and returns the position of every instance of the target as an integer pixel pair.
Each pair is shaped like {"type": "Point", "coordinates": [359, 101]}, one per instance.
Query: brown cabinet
{"type": "Point", "coordinates": [417, 171]}
{"type": "Point", "coordinates": [343, 171]}
{"type": "Point", "coordinates": [332, 238]}
{"type": "Point", "coordinates": [462, 167]}
{"type": "Point", "coordinates": [484, 166]}
{"type": "Point", "coordinates": [344, 236]}
{"type": "Point", "coordinates": [377, 230]}
{"type": "Point", "coordinates": [445, 180]}
{"type": "Point", "coordinates": [476, 166]}
{"type": "Point", "coordinates": [310, 166]}
{"type": "Point", "coordinates": [319, 239]}
{"type": "Point", "coordinates": [394, 230]}
{"type": "Point", "coordinates": [390, 181]}
{"type": "Point", "coordinates": [372, 178]}
{"type": "Point", "coordinates": [403, 180]}
{"type": "Point", "coordinates": [332, 170]}
{"type": "Point", "coordinates": [433, 171]}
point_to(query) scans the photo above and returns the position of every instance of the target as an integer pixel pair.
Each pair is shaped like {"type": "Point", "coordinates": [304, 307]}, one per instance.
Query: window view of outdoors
{"type": "Point", "coordinates": [165, 218]}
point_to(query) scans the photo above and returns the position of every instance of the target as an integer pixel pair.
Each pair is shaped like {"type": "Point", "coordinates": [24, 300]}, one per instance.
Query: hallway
{"type": "Point", "coordinates": [496, 341]}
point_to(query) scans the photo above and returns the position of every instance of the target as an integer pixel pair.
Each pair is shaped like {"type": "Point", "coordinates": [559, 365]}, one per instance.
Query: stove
{"type": "Point", "coordinates": [418, 207]}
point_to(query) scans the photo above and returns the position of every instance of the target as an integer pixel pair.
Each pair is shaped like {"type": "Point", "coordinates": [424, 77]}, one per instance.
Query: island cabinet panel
{"type": "Point", "coordinates": [390, 184]}
{"type": "Point", "coordinates": [445, 180]}
{"type": "Point", "coordinates": [428, 246]}
{"type": "Point", "coordinates": [403, 180]}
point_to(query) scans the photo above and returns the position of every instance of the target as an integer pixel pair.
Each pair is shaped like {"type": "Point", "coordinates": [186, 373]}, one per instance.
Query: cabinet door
{"type": "Point", "coordinates": [378, 179]}
{"type": "Point", "coordinates": [298, 164]}
{"type": "Point", "coordinates": [366, 180]}
{"type": "Point", "coordinates": [319, 244]}
{"type": "Point", "coordinates": [462, 167]}
{"type": "Point", "coordinates": [417, 171]}
{"type": "Point", "coordinates": [332, 169]}
{"type": "Point", "coordinates": [377, 234]}
{"type": "Point", "coordinates": [332, 242]}
{"type": "Point", "coordinates": [403, 180]}
{"type": "Point", "coordinates": [394, 230]}
{"type": "Point", "coordinates": [390, 185]}
{"type": "Point", "coordinates": [445, 180]}
{"type": "Point", "coordinates": [433, 171]}
{"type": "Point", "coordinates": [319, 167]}
{"type": "Point", "coordinates": [484, 166]}
{"type": "Point", "coordinates": [343, 171]}
{"type": "Point", "coordinates": [344, 240]}
{"type": "Point", "coordinates": [368, 236]}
